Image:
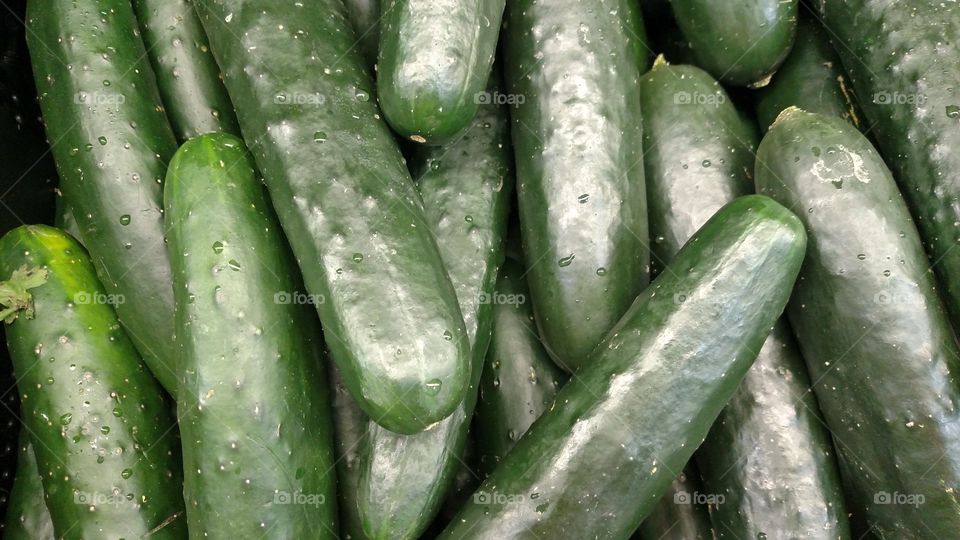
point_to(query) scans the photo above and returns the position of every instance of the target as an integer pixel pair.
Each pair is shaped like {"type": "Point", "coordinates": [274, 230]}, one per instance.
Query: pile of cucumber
{"type": "Point", "coordinates": [480, 269]}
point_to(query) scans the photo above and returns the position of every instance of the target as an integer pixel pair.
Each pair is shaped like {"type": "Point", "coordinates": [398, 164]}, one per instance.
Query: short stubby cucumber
{"type": "Point", "coordinates": [347, 204]}
{"type": "Point", "coordinates": [596, 464]}
{"type": "Point", "coordinates": [112, 140]}
{"type": "Point", "coordinates": [102, 430]}
{"type": "Point", "coordinates": [434, 61]}
{"type": "Point", "coordinates": [871, 326]}
{"type": "Point", "coordinates": [27, 514]}
{"type": "Point", "coordinates": [572, 70]}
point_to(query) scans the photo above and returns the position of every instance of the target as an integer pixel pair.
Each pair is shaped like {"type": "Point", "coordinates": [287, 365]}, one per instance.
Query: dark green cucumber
{"type": "Point", "coordinates": [597, 463]}
{"type": "Point", "coordinates": [811, 78]}
{"type": "Point", "coordinates": [253, 395]}
{"type": "Point", "coordinates": [699, 156]}
{"type": "Point", "coordinates": [681, 514]}
{"type": "Point", "coordinates": [187, 75]}
{"type": "Point", "coordinates": [111, 141]}
{"type": "Point", "coordinates": [871, 326]}
{"type": "Point", "coordinates": [27, 514]}
{"type": "Point", "coordinates": [364, 15]}
{"type": "Point", "coordinates": [347, 204]}
{"type": "Point", "coordinates": [434, 60]}
{"type": "Point", "coordinates": [350, 427]}
{"type": "Point", "coordinates": [741, 43]}
{"type": "Point", "coordinates": [466, 189]}
{"type": "Point", "coordinates": [901, 58]}
{"type": "Point", "coordinates": [102, 431]}
{"type": "Point", "coordinates": [573, 70]}
{"type": "Point", "coordinates": [519, 379]}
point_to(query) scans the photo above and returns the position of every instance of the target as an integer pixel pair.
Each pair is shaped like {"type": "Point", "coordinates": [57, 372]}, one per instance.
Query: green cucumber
{"type": "Point", "coordinates": [596, 464]}
{"type": "Point", "coordinates": [901, 58]}
{"type": "Point", "coordinates": [27, 514]}
{"type": "Point", "coordinates": [573, 70]}
{"type": "Point", "coordinates": [519, 379]}
{"type": "Point", "coordinates": [253, 395]}
{"type": "Point", "coordinates": [699, 156]}
{"type": "Point", "coordinates": [466, 189]}
{"type": "Point", "coordinates": [871, 326]}
{"type": "Point", "coordinates": [112, 141]}
{"type": "Point", "coordinates": [434, 60]}
{"type": "Point", "coordinates": [64, 219]}
{"type": "Point", "coordinates": [350, 428]}
{"type": "Point", "coordinates": [364, 15]}
{"type": "Point", "coordinates": [811, 78]}
{"type": "Point", "coordinates": [102, 431]}
{"type": "Point", "coordinates": [347, 205]}
{"type": "Point", "coordinates": [187, 75]}
{"type": "Point", "coordinates": [681, 514]}
{"type": "Point", "coordinates": [739, 43]}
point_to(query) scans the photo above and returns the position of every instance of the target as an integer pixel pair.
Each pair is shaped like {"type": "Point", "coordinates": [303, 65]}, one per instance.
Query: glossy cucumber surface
{"type": "Point", "coordinates": [27, 514]}
{"type": "Point", "coordinates": [682, 513]}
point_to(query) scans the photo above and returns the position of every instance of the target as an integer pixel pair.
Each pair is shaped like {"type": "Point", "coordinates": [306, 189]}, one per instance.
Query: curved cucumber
{"type": "Point", "coordinates": [900, 55]}
{"type": "Point", "coordinates": [466, 190]}
{"type": "Point", "coordinates": [101, 429]}
{"type": "Point", "coordinates": [598, 463]}
{"type": "Point", "coordinates": [680, 514]}
{"type": "Point", "coordinates": [253, 396]}
{"type": "Point", "coordinates": [187, 75]}
{"type": "Point", "coordinates": [577, 139]}
{"type": "Point", "coordinates": [347, 205]}
{"type": "Point", "coordinates": [364, 15]}
{"type": "Point", "coordinates": [740, 43]}
{"type": "Point", "coordinates": [872, 329]}
{"type": "Point", "coordinates": [435, 58]}
{"type": "Point", "coordinates": [519, 379]}
{"type": "Point", "coordinates": [811, 78]}
{"type": "Point", "coordinates": [27, 514]}
{"type": "Point", "coordinates": [101, 105]}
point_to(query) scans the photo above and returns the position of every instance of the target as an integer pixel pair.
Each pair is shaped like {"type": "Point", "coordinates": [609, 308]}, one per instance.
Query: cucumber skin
{"type": "Point", "coordinates": [376, 264]}
{"type": "Point", "coordinates": [103, 182]}
{"type": "Point", "coordinates": [27, 514]}
{"type": "Point", "coordinates": [879, 347]}
{"type": "Point", "coordinates": [350, 429]}
{"type": "Point", "coordinates": [249, 353]}
{"type": "Point", "coordinates": [739, 43]}
{"type": "Point", "coordinates": [907, 48]}
{"type": "Point", "coordinates": [586, 143]}
{"type": "Point", "coordinates": [811, 78]}
{"type": "Point", "coordinates": [95, 381]}
{"type": "Point", "coordinates": [772, 412]}
{"type": "Point", "coordinates": [673, 519]}
{"type": "Point", "coordinates": [364, 15]}
{"type": "Point", "coordinates": [187, 75]}
{"type": "Point", "coordinates": [466, 187]}
{"type": "Point", "coordinates": [599, 462]}
{"type": "Point", "coordinates": [434, 60]}
{"type": "Point", "coordinates": [519, 379]}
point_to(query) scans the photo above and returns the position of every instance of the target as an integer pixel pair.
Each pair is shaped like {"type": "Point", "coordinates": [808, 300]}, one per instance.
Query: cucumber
{"type": "Point", "coordinates": [64, 219]}
{"type": "Point", "coordinates": [870, 324]}
{"type": "Point", "coordinates": [350, 427]}
{"type": "Point", "coordinates": [572, 69]}
{"type": "Point", "coordinates": [597, 463]}
{"type": "Point", "coordinates": [466, 189]}
{"type": "Point", "coordinates": [252, 396]}
{"type": "Point", "coordinates": [680, 514]}
{"type": "Point", "coordinates": [739, 43]}
{"type": "Point", "coordinates": [346, 203]}
{"type": "Point", "coordinates": [101, 428]}
{"type": "Point", "coordinates": [519, 380]}
{"type": "Point", "coordinates": [27, 514]}
{"type": "Point", "coordinates": [811, 78]}
{"type": "Point", "coordinates": [900, 58]}
{"type": "Point", "coordinates": [699, 155]}
{"type": "Point", "coordinates": [434, 60]}
{"type": "Point", "coordinates": [364, 15]}
{"type": "Point", "coordinates": [112, 141]}
{"type": "Point", "coordinates": [187, 75]}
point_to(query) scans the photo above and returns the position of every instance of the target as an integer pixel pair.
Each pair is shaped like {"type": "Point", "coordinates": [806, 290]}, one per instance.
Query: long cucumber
{"type": "Point", "coordinates": [27, 514]}
{"type": "Point", "coordinates": [597, 463]}
{"type": "Point", "coordinates": [111, 141]}
{"type": "Point", "coordinates": [346, 203]}
{"type": "Point", "coordinates": [572, 72]}
{"type": "Point", "coordinates": [253, 401]}
{"type": "Point", "coordinates": [871, 326]}
{"type": "Point", "coordinates": [682, 513]}
{"type": "Point", "coordinates": [102, 431]}
{"type": "Point", "coordinates": [364, 15]}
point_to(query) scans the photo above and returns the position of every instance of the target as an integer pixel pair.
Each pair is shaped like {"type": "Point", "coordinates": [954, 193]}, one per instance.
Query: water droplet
{"type": "Point", "coordinates": [582, 199]}
{"type": "Point", "coordinates": [953, 111]}
{"type": "Point", "coordinates": [362, 96]}
{"type": "Point", "coordinates": [125, 219]}
{"type": "Point", "coordinates": [234, 265]}
{"type": "Point", "coordinates": [862, 256]}
{"type": "Point", "coordinates": [357, 257]}
{"type": "Point", "coordinates": [468, 218]}
{"type": "Point", "coordinates": [105, 429]}
{"type": "Point", "coordinates": [434, 164]}
{"type": "Point", "coordinates": [447, 335]}
{"type": "Point", "coordinates": [66, 419]}
{"type": "Point", "coordinates": [126, 473]}
{"type": "Point", "coordinates": [218, 247]}
{"type": "Point", "coordinates": [705, 163]}
{"type": "Point", "coordinates": [601, 271]}
{"type": "Point", "coordinates": [319, 136]}
{"type": "Point", "coordinates": [433, 387]}
{"type": "Point", "coordinates": [565, 261]}
{"type": "Point", "coordinates": [102, 140]}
